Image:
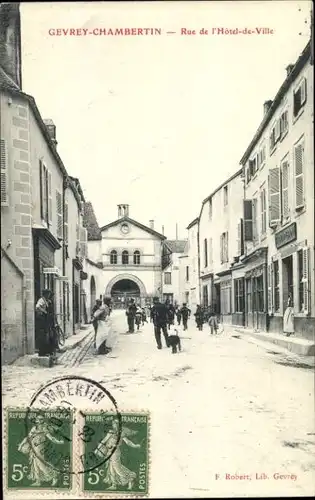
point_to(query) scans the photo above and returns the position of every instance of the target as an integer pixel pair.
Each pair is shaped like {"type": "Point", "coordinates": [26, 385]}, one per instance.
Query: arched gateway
{"type": "Point", "coordinates": [124, 287]}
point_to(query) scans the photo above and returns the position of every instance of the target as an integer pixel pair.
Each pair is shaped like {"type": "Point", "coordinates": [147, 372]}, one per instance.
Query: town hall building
{"type": "Point", "coordinates": [126, 260]}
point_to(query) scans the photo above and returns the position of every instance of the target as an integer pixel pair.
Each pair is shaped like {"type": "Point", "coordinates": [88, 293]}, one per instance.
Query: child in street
{"type": "Point", "coordinates": [213, 323]}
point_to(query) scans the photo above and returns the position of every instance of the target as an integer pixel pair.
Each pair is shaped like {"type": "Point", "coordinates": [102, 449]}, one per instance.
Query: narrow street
{"type": "Point", "coordinates": [222, 406]}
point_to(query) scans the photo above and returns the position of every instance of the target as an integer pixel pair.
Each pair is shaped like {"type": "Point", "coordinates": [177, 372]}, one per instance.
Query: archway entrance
{"type": "Point", "coordinates": [123, 291]}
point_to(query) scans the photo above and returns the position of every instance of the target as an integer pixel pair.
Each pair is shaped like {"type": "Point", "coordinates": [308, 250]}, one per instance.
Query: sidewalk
{"type": "Point", "coordinates": [292, 344]}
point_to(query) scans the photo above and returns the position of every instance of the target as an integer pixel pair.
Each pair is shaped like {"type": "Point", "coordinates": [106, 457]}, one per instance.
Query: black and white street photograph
{"type": "Point", "coordinates": [157, 249]}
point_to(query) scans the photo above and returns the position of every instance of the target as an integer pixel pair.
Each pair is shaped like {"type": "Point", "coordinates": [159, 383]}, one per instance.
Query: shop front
{"type": "Point", "coordinates": [222, 295]}
{"type": "Point", "coordinates": [255, 288]}
{"type": "Point", "coordinates": [76, 294]}
{"type": "Point", "coordinates": [238, 294]}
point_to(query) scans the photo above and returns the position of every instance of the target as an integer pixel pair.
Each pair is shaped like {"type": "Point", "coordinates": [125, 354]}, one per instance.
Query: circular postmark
{"type": "Point", "coordinates": [59, 415]}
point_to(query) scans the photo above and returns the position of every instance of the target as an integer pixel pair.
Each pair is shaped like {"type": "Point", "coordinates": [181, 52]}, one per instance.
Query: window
{"type": "Point", "coordinates": [210, 252]}
{"type": "Point", "coordinates": [285, 190]}
{"type": "Point", "coordinates": [299, 97]}
{"type": "Point", "coordinates": [276, 285]}
{"type": "Point", "coordinates": [125, 257]}
{"type": "Point", "coordinates": [225, 293]}
{"type": "Point", "coordinates": [210, 208]}
{"type": "Point", "coordinates": [284, 123]}
{"type": "Point", "coordinates": [83, 242]}
{"type": "Point", "coordinates": [248, 220]}
{"type": "Point", "coordinates": [224, 247]}
{"type": "Point", "coordinates": [205, 248]}
{"type": "Point", "coordinates": [261, 156]}
{"type": "Point", "coordinates": [187, 273]}
{"type": "Point", "coordinates": [45, 193]}
{"type": "Point", "coordinates": [225, 196]}
{"type": "Point", "coordinates": [274, 196]}
{"type": "Point", "coordinates": [263, 211]}
{"type": "Point", "coordinates": [299, 174]}
{"type": "Point", "coordinates": [59, 214]}
{"type": "Point", "coordinates": [253, 166]}
{"type": "Point", "coordinates": [136, 257]}
{"type": "Point", "coordinates": [4, 172]}
{"type": "Point", "coordinates": [303, 270]}
{"type": "Point", "coordinates": [255, 219]}
{"type": "Point", "coordinates": [275, 135]}
{"type": "Point", "coordinates": [167, 278]}
{"type": "Point", "coordinates": [113, 257]}
{"type": "Point", "coordinates": [239, 295]}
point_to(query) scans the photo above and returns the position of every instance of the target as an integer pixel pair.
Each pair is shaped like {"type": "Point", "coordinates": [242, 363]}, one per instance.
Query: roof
{"type": "Point", "coordinates": [6, 81]}
{"type": "Point", "coordinates": [192, 223]}
{"type": "Point", "coordinates": [298, 66]}
{"type": "Point", "coordinates": [236, 174]}
{"type": "Point", "coordinates": [176, 246]}
{"type": "Point", "coordinates": [90, 222]}
{"type": "Point", "coordinates": [77, 184]}
{"type": "Point", "coordinates": [135, 223]}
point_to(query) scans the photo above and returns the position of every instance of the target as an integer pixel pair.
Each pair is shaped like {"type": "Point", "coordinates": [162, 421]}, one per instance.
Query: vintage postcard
{"type": "Point", "coordinates": [157, 249]}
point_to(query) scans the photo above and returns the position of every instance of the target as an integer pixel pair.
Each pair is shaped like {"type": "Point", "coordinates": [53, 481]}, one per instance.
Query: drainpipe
{"type": "Point", "coordinates": [198, 267]}
{"type": "Point", "coordinates": [65, 186]}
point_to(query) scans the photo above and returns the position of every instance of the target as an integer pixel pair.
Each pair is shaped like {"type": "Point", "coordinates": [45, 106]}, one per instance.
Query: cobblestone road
{"type": "Point", "coordinates": [220, 409]}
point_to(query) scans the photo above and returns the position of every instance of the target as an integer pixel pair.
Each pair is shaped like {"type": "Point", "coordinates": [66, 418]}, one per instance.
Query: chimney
{"type": "Point", "coordinates": [267, 105]}
{"type": "Point", "coordinates": [123, 211]}
{"type": "Point", "coordinates": [151, 224]}
{"type": "Point", "coordinates": [51, 127]}
{"type": "Point", "coordinates": [163, 230]}
{"type": "Point", "coordinates": [10, 41]}
{"type": "Point", "coordinates": [289, 68]}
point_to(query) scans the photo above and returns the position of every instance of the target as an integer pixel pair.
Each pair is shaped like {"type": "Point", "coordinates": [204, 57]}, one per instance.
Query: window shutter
{"type": "Point", "coordinates": [248, 220]}
{"type": "Point", "coordinates": [4, 173]}
{"type": "Point", "coordinates": [303, 91]}
{"type": "Point", "coordinates": [285, 189]}
{"type": "Point", "coordinates": [65, 224]}
{"type": "Point", "coordinates": [42, 189]}
{"type": "Point", "coordinates": [277, 130]}
{"type": "Point", "coordinates": [49, 190]}
{"type": "Point", "coordinates": [227, 247]}
{"type": "Point", "coordinates": [274, 196]}
{"type": "Point", "coordinates": [306, 280]}
{"type": "Point", "coordinates": [270, 288]}
{"type": "Point", "coordinates": [59, 214]}
{"type": "Point", "coordinates": [299, 175]}
{"type": "Point", "coordinates": [210, 251]}
{"type": "Point", "coordinates": [83, 241]}
{"type": "Point", "coordinates": [239, 250]}
{"type": "Point", "coordinates": [254, 213]}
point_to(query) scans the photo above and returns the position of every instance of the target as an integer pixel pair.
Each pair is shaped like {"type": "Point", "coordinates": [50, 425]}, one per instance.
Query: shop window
{"type": "Point", "coordinates": [249, 295]}
{"type": "Point", "coordinates": [260, 294]}
{"type": "Point", "coordinates": [136, 257]}
{"type": "Point", "coordinates": [225, 294]}
{"type": "Point", "coordinates": [276, 285]}
{"type": "Point", "coordinates": [125, 257]}
{"type": "Point", "coordinates": [167, 278]}
{"type": "Point", "coordinates": [239, 295]}
{"type": "Point", "coordinates": [113, 257]}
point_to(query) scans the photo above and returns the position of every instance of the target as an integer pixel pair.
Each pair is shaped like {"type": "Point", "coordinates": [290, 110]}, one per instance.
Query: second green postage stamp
{"type": "Point", "coordinates": [116, 453]}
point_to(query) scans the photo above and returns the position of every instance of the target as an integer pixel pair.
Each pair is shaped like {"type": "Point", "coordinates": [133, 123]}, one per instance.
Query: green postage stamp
{"type": "Point", "coordinates": [39, 449]}
{"type": "Point", "coordinates": [116, 453]}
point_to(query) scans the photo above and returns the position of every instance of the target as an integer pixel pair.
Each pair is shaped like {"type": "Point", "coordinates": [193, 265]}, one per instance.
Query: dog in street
{"type": "Point", "coordinates": [174, 341]}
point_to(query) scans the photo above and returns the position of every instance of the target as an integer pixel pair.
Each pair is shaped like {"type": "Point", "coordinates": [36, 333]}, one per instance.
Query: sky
{"type": "Point", "coordinates": [158, 122]}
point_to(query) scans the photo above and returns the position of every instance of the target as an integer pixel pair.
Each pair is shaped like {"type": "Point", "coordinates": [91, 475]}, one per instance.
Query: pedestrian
{"type": "Point", "coordinates": [43, 323]}
{"type": "Point", "coordinates": [178, 315]}
{"type": "Point", "coordinates": [52, 324]}
{"type": "Point", "coordinates": [159, 318]}
{"type": "Point", "coordinates": [213, 323]}
{"type": "Point", "coordinates": [144, 316]}
{"type": "Point", "coordinates": [94, 322]}
{"type": "Point", "coordinates": [131, 314]}
{"type": "Point", "coordinates": [138, 317]}
{"type": "Point", "coordinates": [288, 318]}
{"type": "Point", "coordinates": [199, 317]}
{"type": "Point", "coordinates": [185, 313]}
{"type": "Point", "coordinates": [99, 316]}
{"type": "Point", "coordinates": [170, 313]}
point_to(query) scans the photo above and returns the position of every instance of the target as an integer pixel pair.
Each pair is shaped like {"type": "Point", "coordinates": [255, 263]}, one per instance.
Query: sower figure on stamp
{"type": "Point", "coordinates": [116, 474]}
{"type": "Point", "coordinates": [131, 315]}
{"type": "Point", "coordinates": [34, 445]}
{"type": "Point", "coordinates": [185, 313]}
{"type": "Point", "coordinates": [159, 317]}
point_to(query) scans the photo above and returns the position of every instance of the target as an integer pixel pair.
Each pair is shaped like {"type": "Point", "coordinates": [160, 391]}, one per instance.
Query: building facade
{"type": "Point", "coordinates": [278, 219]}
{"type": "Point", "coordinates": [172, 252]}
{"type": "Point", "coordinates": [218, 235]}
{"type": "Point", "coordinates": [189, 269]}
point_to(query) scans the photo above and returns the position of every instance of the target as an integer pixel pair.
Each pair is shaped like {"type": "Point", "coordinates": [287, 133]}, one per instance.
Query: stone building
{"type": "Point", "coordinates": [278, 168]}
{"type": "Point", "coordinates": [189, 268]}
{"type": "Point", "coordinates": [172, 252]}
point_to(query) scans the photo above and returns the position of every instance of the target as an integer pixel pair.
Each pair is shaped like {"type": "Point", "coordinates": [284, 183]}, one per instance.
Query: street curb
{"type": "Point", "coordinates": [65, 348]}
{"type": "Point", "coordinates": [295, 345]}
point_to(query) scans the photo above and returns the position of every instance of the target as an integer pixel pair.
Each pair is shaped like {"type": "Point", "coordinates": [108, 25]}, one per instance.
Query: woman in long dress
{"type": "Point", "coordinates": [100, 316]}
{"type": "Point", "coordinates": [288, 318]}
{"type": "Point", "coordinates": [34, 445]}
{"type": "Point", "coordinates": [116, 474]}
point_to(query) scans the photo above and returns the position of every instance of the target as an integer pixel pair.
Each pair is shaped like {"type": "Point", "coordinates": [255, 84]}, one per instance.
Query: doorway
{"type": "Point", "coordinates": [287, 280]}
{"type": "Point", "coordinates": [123, 291]}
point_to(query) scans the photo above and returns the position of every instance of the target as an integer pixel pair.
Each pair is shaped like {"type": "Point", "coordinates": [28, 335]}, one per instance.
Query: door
{"type": "Point", "coordinates": [287, 277]}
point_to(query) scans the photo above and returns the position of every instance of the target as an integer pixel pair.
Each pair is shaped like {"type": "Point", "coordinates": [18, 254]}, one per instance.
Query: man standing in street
{"type": "Point", "coordinates": [159, 317]}
{"type": "Point", "coordinates": [131, 314]}
{"type": "Point", "coordinates": [185, 313]}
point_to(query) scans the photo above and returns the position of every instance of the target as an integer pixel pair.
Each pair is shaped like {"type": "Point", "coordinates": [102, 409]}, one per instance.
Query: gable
{"type": "Point", "coordinates": [135, 230]}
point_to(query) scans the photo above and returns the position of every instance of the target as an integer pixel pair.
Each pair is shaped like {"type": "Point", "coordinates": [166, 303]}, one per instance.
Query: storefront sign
{"type": "Point", "coordinates": [51, 270]}
{"type": "Point", "coordinates": [63, 278]}
{"type": "Point", "coordinates": [286, 235]}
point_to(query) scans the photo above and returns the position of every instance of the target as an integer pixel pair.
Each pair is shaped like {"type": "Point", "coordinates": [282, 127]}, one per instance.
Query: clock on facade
{"type": "Point", "coordinates": [124, 228]}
